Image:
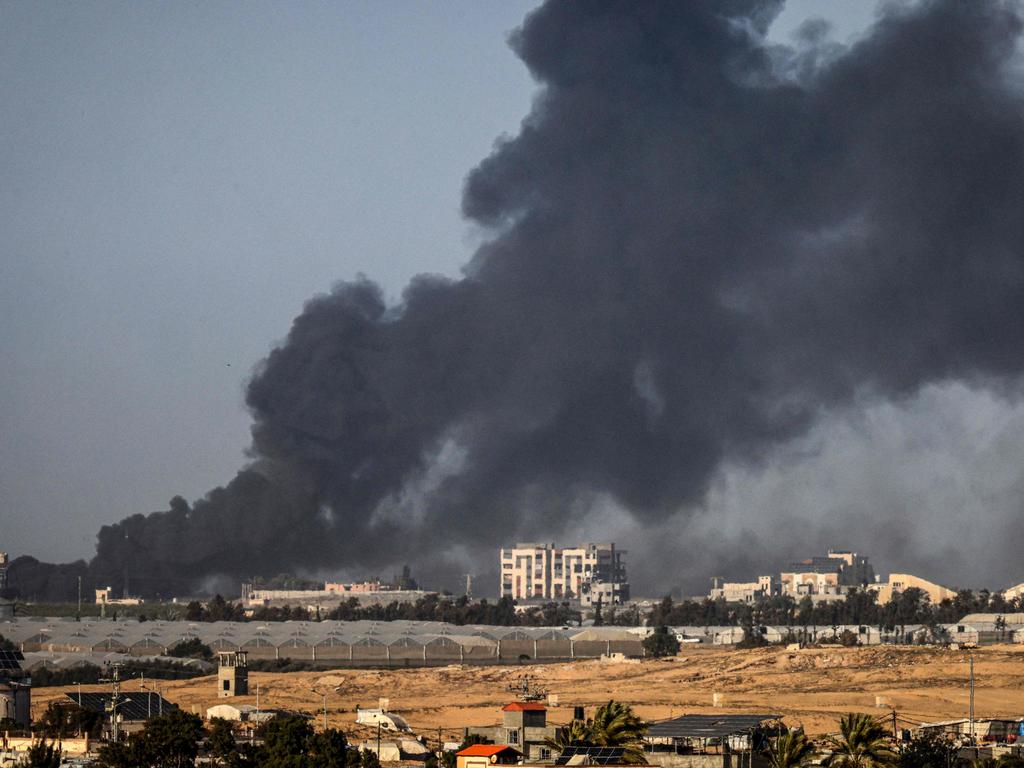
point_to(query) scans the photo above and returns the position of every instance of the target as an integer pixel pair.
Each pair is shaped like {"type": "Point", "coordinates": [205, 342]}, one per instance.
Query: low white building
{"type": "Point", "coordinates": [242, 713]}
{"type": "Point", "coordinates": [389, 721]}
{"type": "Point", "coordinates": [394, 750]}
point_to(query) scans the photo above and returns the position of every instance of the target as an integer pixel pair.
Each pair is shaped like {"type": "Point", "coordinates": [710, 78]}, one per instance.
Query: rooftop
{"type": "Point", "coordinates": [708, 726]}
{"type": "Point", "coordinates": [485, 750]}
{"type": "Point", "coordinates": [524, 706]}
{"type": "Point", "coordinates": [133, 706]}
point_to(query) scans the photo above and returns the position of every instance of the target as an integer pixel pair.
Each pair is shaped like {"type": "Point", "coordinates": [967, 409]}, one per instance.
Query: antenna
{"type": "Point", "coordinates": [525, 692]}
{"type": "Point", "coordinates": [115, 696]}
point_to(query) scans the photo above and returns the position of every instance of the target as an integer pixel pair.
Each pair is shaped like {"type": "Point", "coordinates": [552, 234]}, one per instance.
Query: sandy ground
{"type": "Point", "coordinates": [812, 687]}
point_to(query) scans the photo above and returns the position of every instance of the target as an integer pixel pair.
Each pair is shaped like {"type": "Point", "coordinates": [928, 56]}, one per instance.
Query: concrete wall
{"type": "Point", "coordinates": [672, 760]}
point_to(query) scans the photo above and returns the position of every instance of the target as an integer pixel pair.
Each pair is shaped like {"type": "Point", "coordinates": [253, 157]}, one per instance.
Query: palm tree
{"type": "Point", "coordinates": [790, 750]}
{"type": "Point", "coordinates": [863, 744]}
{"type": "Point", "coordinates": [575, 734]}
{"type": "Point", "coordinates": [615, 725]}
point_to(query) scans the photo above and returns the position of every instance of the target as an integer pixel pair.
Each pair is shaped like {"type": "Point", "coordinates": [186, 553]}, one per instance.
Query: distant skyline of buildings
{"type": "Point", "coordinates": [832, 577]}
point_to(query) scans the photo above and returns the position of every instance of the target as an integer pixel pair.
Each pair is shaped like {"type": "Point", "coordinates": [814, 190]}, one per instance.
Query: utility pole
{"type": "Point", "coordinates": [115, 698]}
{"type": "Point", "coordinates": [149, 699]}
{"type": "Point", "coordinates": [378, 741]}
{"type": "Point", "coordinates": [972, 700]}
{"type": "Point", "coordinates": [78, 616]}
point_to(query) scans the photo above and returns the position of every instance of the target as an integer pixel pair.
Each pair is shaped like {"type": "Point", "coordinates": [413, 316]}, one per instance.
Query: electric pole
{"type": "Point", "coordinates": [115, 698]}
{"type": "Point", "coordinates": [972, 699]}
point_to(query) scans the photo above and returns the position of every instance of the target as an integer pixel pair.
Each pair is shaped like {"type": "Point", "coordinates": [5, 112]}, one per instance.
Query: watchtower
{"type": "Point", "coordinates": [232, 674]}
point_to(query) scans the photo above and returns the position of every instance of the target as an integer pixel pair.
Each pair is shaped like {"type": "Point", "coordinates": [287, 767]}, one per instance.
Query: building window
{"type": "Point", "coordinates": [227, 685]}
{"type": "Point", "coordinates": [513, 736]}
{"type": "Point", "coordinates": [545, 753]}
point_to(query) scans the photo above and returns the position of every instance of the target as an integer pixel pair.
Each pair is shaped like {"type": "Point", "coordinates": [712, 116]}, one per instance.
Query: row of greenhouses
{"type": "Point", "coordinates": [330, 642]}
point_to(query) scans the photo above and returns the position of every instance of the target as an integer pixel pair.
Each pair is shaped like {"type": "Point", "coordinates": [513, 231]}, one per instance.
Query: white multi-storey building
{"type": "Point", "coordinates": [590, 573]}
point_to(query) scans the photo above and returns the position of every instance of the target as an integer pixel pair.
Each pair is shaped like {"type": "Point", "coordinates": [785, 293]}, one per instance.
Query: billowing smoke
{"type": "Point", "coordinates": [701, 242]}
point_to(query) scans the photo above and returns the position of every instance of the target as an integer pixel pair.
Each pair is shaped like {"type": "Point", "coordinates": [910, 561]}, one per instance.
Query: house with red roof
{"type": "Point", "coordinates": [486, 755]}
{"type": "Point", "coordinates": [523, 726]}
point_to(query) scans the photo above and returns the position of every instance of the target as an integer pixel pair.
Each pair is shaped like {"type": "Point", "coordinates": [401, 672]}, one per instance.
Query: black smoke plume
{"type": "Point", "coordinates": [701, 241]}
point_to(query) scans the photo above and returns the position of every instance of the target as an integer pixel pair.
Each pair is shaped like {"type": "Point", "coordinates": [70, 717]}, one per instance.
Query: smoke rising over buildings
{"type": "Point", "coordinates": [702, 242]}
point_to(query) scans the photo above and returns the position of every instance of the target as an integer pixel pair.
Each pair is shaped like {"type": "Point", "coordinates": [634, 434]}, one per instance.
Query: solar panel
{"type": "Point", "coordinates": [10, 661]}
{"type": "Point", "coordinates": [133, 706]}
{"type": "Point", "coordinates": [708, 726]}
{"type": "Point", "coordinates": [590, 756]}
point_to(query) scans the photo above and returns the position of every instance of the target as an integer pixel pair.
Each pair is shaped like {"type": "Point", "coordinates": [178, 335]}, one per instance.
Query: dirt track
{"type": "Point", "coordinates": [810, 686]}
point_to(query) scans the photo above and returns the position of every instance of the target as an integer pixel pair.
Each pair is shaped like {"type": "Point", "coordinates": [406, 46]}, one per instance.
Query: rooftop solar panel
{"type": "Point", "coordinates": [10, 661]}
{"type": "Point", "coordinates": [708, 726]}
{"type": "Point", "coordinates": [590, 756]}
{"type": "Point", "coordinates": [134, 706]}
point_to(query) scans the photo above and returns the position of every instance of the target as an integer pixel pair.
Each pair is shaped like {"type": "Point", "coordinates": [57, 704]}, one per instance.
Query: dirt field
{"type": "Point", "coordinates": [809, 686]}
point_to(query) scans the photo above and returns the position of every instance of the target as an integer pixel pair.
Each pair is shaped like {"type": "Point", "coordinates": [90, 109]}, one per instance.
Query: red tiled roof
{"type": "Point", "coordinates": [484, 750]}
{"type": "Point", "coordinates": [524, 706]}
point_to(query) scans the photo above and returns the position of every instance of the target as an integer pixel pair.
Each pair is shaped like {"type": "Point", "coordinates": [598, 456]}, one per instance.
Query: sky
{"type": "Point", "coordinates": [181, 178]}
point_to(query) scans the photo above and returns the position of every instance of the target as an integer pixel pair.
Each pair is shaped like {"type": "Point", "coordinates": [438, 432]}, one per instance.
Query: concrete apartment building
{"type": "Point", "coordinates": [901, 581]}
{"type": "Point", "coordinates": [831, 578]}
{"type": "Point", "coordinates": [590, 573]}
{"type": "Point", "coordinates": [1012, 593]}
{"type": "Point", "coordinates": [827, 577]}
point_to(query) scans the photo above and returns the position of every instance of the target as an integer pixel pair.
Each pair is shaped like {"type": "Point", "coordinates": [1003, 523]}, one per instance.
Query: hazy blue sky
{"type": "Point", "coordinates": [178, 178]}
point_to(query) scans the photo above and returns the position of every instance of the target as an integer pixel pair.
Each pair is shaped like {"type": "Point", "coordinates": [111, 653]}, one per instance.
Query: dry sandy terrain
{"type": "Point", "coordinates": [809, 686]}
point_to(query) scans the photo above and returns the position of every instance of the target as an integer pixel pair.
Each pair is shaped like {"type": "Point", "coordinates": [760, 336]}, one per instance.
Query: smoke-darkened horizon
{"type": "Point", "coordinates": [705, 248]}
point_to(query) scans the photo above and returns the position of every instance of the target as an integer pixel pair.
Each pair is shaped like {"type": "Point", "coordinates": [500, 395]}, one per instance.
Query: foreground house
{"type": "Point", "coordinates": [523, 727]}
{"type": "Point", "coordinates": [486, 755]}
{"type": "Point", "coordinates": [710, 741]}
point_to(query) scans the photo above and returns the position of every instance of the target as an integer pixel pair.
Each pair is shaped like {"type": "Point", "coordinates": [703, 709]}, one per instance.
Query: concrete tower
{"type": "Point", "coordinates": [232, 674]}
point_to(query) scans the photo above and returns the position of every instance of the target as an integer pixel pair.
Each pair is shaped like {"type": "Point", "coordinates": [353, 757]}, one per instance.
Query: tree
{"type": "Point", "coordinates": [42, 754]}
{"type": "Point", "coordinates": [862, 744]}
{"type": "Point", "coordinates": [661, 642]}
{"type": "Point", "coordinates": [615, 725]}
{"type": "Point", "coordinates": [221, 741]}
{"type": "Point", "coordinates": [575, 734]}
{"type": "Point", "coordinates": [928, 750]}
{"type": "Point", "coordinates": [330, 749]}
{"type": "Point", "coordinates": [368, 759]}
{"type": "Point", "coordinates": [285, 743]}
{"type": "Point", "coordinates": [171, 740]}
{"type": "Point", "coordinates": [123, 754]}
{"type": "Point", "coordinates": [193, 648]}
{"type": "Point", "coordinates": [789, 750]}
{"type": "Point", "coordinates": [64, 718]}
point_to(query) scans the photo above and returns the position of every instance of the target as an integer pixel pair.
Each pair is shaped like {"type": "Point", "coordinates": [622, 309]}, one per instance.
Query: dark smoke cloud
{"type": "Point", "coordinates": [701, 243]}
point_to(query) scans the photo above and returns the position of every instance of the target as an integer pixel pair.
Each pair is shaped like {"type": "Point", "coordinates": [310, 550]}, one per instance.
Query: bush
{"type": "Point", "coordinates": [191, 649]}
{"type": "Point", "coordinates": [661, 643]}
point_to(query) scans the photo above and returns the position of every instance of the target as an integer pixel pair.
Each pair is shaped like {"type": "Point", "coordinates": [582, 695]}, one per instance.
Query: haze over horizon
{"type": "Point", "coordinates": [744, 290]}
